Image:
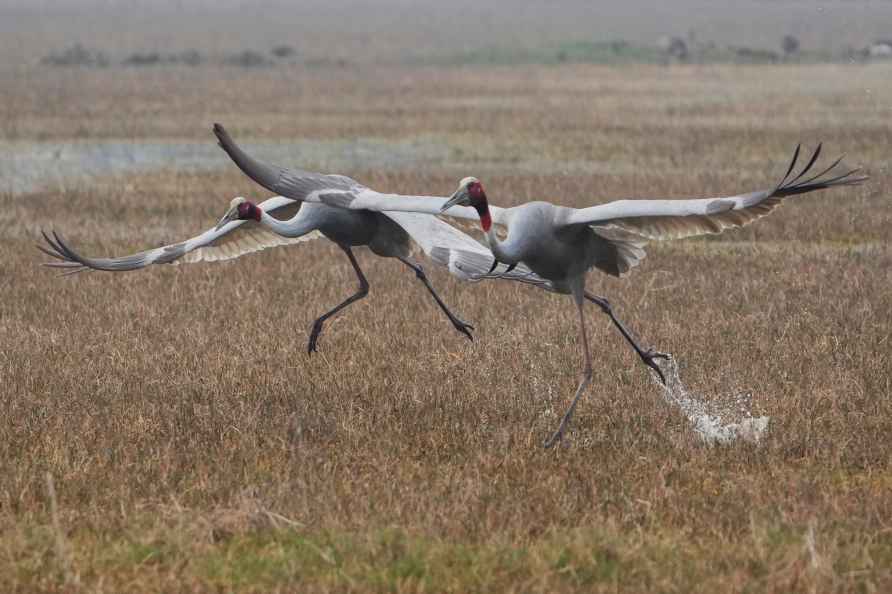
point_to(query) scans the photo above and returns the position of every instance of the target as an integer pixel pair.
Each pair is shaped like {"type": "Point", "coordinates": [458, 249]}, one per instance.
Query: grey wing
{"type": "Point", "coordinates": [459, 253]}
{"type": "Point", "coordinates": [673, 219]}
{"type": "Point", "coordinates": [230, 241]}
{"type": "Point", "coordinates": [336, 190]}
{"type": "Point", "coordinates": [296, 184]}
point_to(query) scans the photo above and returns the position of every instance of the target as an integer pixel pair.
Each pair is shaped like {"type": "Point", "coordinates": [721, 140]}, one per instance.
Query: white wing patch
{"type": "Point", "coordinates": [464, 257]}
{"type": "Point", "coordinates": [249, 240]}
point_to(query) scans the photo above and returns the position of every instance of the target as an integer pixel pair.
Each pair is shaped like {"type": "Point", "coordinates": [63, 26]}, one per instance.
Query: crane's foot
{"type": "Point", "coordinates": [648, 358]}
{"type": "Point", "coordinates": [314, 337]}
{"type": "Point", "coordinates": [557, 435]}
{"type": "Point", "coordinates": [463, 327]}
{"type": "Point", "coordinates": [565, 420]}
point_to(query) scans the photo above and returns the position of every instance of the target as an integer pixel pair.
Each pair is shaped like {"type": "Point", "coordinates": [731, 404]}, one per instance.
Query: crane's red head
{"type": "Point", "coordinates": [240, 210]}
{"type": "Point", "coordinates": [470, 193]}
{"type": "Point", "coordinates": [248, 210]}
{"type": "Point", "coordinates": [475, 192]}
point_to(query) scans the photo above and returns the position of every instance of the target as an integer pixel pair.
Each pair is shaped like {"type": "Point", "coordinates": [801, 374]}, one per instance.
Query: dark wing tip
{"type": "Point", "coordinates": [69, 253]}
{"type": "Point", "coordinates": [792, 165]}
{"type": "Point", "coordinates": [62, 254]}
{"type": "Point", "coordinates": [58, 250]}
{"type": "Point", "coordinates": [807, 168]}
{"type": "Point", "coordinates": [265, 175]}
{"type": "Point", "coordinates": [51, 253]}
{"type": "Point", "coordinates": [820, 181]}
{"type": "Point", "coordinates": [222, 135]}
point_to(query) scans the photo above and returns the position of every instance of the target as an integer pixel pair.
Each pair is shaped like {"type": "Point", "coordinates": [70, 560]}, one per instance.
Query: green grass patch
{"type": "Point", "coordinates": [394, 560]}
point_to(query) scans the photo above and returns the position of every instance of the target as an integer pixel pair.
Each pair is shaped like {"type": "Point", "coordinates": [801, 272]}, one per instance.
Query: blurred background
{"type": "Point", "coordinates": [430, 32]}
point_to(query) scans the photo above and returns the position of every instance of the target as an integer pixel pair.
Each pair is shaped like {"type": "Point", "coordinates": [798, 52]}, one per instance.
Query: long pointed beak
{"type": "Point", "coordinates": [230, 215]}
{"type": "Point", "coordinates": [456, 199]}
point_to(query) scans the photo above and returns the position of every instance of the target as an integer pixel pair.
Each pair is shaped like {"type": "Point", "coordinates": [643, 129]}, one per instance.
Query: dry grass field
{"type": "Point", "coordinates": [193, 445]}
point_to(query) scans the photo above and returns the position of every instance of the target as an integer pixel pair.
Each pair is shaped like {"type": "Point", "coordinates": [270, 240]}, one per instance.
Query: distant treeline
{"type": "Point", "coordinates": [666, 50]}
{"type": "Point", "coordinates": [78, 55]}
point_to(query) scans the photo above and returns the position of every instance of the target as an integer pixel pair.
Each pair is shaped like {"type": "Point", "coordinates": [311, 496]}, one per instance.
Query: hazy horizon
{"type": "Point", "coordinates": [400, 30]}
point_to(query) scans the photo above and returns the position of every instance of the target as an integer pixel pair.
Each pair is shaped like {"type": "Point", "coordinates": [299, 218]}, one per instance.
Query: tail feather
{"type": "Point", "coordinates": [619, 250]}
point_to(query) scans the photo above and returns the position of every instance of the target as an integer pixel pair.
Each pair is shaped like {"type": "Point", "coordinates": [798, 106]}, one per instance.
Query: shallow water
{"type": "Point", "coordinates": [723, 420]}
{"type": "Point", "coordinates": [31, 166]}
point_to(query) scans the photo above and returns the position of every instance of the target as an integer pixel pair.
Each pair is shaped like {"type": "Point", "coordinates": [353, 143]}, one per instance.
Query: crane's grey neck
{"type": "Point", "coordinates": [284, 228]}
{"type": "Point", "coordinates": [501, 250]}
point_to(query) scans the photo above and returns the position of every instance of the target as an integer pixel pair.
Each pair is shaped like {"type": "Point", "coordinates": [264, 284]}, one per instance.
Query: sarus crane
{"type": "Point", "coordinates": [559, 245]}
{"type": "Point", "coordinates": [386, 235]}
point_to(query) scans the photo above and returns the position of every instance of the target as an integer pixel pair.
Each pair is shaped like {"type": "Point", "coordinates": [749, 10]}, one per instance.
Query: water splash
{"type": "Point", "coordinates": [722, 421]}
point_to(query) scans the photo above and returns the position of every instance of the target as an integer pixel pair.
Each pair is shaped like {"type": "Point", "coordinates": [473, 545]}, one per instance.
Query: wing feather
{"type": "Point", "coordinates": [674, 219]}
{"type": "Point", "coordinates": [230, 241]}
{"type": "Point", "coordinates": [463, 256]}
{"type": "Point", "coordinates": [296, 184]}
{"type": "Point", "coordinates": [337, 190]}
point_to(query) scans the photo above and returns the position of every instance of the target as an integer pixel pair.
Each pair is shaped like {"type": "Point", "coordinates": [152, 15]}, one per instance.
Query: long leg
{"type": "Point", "coordinates": [361, 293]}
{"type": "Point", "coordinates": [459, 324]}
{"type": "Point", "coordinates": [647, 355]}
{"type": "Point", "coordinates": [578, 296]}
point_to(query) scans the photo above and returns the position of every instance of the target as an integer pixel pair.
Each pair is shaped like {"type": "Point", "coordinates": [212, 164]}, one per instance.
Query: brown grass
{"type": "Point", "coordinates": [193, 444]}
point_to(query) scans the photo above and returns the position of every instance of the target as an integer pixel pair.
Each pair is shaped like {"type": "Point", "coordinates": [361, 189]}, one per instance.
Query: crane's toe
{"type": "Point", "coordinates": [649, 358]}
{"type": "Point", "coordinates": [314, 338]}
{"type": "Point", "coordinates": [463, 327]}
{"type": "Point", "coordinates": [555, 437]}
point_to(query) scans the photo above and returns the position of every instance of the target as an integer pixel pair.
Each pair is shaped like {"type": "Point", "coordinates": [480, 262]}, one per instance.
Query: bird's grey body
{"type": "Point", "coordinates": [353, 228]}
{"type": "Point", "coordinates": [549, 254]}
{"type": "Point", "coordinates": [538, 238]}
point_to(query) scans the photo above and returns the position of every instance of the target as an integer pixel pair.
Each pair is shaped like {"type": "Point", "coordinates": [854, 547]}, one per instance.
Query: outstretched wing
{"type": "Point", "coordinates": [230, 241]}
{"type": "Point", "coordinates": [459, 253]}
{"type": "Point", "coordinates": [673, 219]}
{"type": "Point", "coordinates": [337, 190]}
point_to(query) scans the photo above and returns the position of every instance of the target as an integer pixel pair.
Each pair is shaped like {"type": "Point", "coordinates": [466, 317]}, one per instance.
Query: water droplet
{"type": "Point", "coordinates": [707, 418]}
